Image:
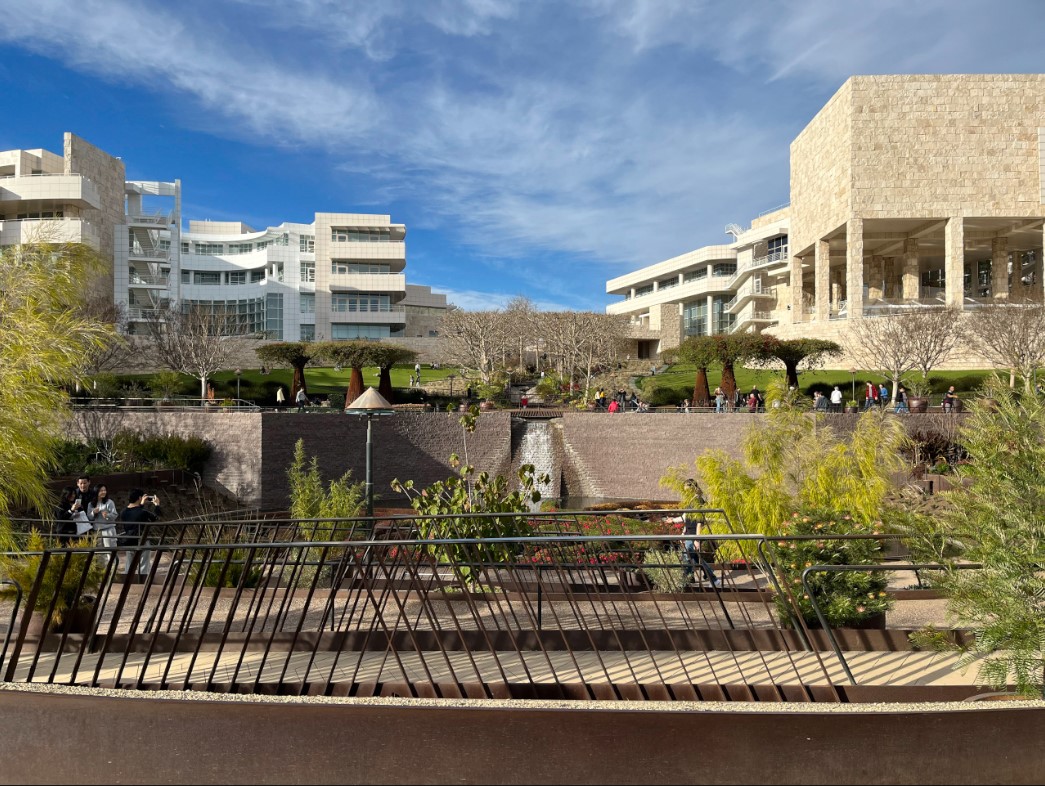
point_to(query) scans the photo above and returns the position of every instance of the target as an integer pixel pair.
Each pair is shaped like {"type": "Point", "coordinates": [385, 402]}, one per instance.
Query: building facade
{"type": "Point", "coordinates": [340, 277]}
{"type": "Point", "coordinates": [906, 192]}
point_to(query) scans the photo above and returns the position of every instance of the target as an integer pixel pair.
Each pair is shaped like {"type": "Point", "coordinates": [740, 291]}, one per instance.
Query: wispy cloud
{"type": "Point", "coordinates": [620, 132]}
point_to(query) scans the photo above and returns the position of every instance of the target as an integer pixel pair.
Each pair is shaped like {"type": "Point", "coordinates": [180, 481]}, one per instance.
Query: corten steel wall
{"type": "Point", "coordinates": [147, 740]}
{"type": "Point", "coordinates": [409, 446]}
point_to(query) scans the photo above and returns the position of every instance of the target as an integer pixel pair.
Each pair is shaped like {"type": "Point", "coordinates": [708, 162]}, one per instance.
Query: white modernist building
{"type": "Point", "coordinates": [339, 277]}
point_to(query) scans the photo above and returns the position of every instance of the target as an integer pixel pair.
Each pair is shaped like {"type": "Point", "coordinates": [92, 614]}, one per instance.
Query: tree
{"type": "Point", "coordinates": [730, 349]}
{"type": "Point", "coordinates": [354, 355]}
{"type": "Point", "coordinates": [197, 339]}
{"type": "Point", "coordinates": [883, 344]}
{"type": "Point", "coordinates": [1011, 335]}
{"type": "Point", "coordinates": [475, 339]}
{"type": "Point", "coordinates": [384, 356]}
{"type": "Point", "coordinates": [44, 340]}
{"type": "Point", "coordinates": [812, 351]}
{"type": "Point", "coordinates": [296, 354]}
{"type": "Point", "coordinates": [701, 352]}
{"type": "Point", "coordinates": [119, 348]}
{"type": "Point", "coordinates": [932, 333]}
{"type": "Point", "coordinates": [997, 519]}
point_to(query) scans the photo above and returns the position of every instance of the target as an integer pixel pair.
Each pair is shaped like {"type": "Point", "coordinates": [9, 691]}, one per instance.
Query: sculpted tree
{"type": "Point", "coordinates": [354, 355]}
{"type": "Point", "coordinates": [1011, 335]}
{"type": "Point", "coordinates": [813, 351]}
{"type": "Point", "coordinates": [730, 349]}
{"type": "Point", "coordinates": [701, 352]}
{"type": "Point", "coordinates": [384, 357]}
{"type": "Point", "coordinates": [197, 339]}
{"type": "Point", "coordinates": [296, 355]}
{"type": "Point", "coordinates": [44, 338]}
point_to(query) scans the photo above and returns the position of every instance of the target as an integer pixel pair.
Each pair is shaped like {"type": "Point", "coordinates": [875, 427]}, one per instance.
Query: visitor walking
{"type": "Point", "coordinates": [901, 401]}
{"type": "Point", "coordinates": [141, 511]}
{"type": "Point", "coordinates": [301, 400]}
{"type": "Point", "coordinates": [280, 398]}
{"type": "Point", "coordinates": [836, 400]}
{"type": "Point", "coordinates": [720, 400]}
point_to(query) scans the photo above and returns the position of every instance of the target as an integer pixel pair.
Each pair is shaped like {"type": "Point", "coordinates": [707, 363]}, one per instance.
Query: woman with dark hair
{"type": "Point", "coordinates": [103, 513]}
{"type": "Point", "coordinates": [70, 517]}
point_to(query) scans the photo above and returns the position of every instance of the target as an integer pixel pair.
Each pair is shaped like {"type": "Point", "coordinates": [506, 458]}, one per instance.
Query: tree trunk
{"type": "Point", "coordinates": [791, 372]}
{"type": "Point", "coordinates": [298, 383]}
{"type": "Point", "coordinates": [384, 386]}
{"type": "Point", "coordinates": [203, 388]}
{"type": "Point", "coordinates": [355, 386]}
{"type": "Point", "coordinates": [701, 391]}
{"type": "Point", "coordinates": [729, 380]}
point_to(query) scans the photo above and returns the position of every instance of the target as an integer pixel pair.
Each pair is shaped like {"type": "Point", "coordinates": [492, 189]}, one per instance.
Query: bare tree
{"type": "Point", "coordinates": [932, 333]}
{"type": "Point", "coordinates": [197, 340]}
{"type": "Point", "coordinates": [119, 348]}
{"type": "Point", "coordinates": [475, 339]}
{"type": "Point", "coordinates": [1011, 335]}
{"type": "Point", "coordinates": [883, 344]}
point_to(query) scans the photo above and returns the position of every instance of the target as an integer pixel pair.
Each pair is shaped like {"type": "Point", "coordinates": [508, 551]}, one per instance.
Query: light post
{"type": "Point", "coordinates": [371, 403]}
{"type": "Point", "coordinates": [451, 377]}
{"type": "Point", "coordinates": [239, 373]}
{"type": "Point", "coordinates": [852, 371]}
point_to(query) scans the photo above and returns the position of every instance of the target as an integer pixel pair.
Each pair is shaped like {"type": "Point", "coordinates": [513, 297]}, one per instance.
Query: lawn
{"type": "Point", "coordinates": [676, 383]}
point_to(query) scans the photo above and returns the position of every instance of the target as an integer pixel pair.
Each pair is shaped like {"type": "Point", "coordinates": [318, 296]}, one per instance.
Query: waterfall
{"type": "Point", "coordinates": [536, 448]}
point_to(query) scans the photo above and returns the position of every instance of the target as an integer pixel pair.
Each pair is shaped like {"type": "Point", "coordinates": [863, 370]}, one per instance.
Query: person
{"type": "Point", "coordinates": [950, 400]}
{"type": "Point", "coordinates": [85, 492]}
{"type": "Point", "coordinates": [870, 395]}
{"type": "Point", "coordinates": [685, 405]}
{"type": "Point", "coordinates": [883, 395]}
{"type": "Point", "coordinates": [70, 516]}
{"type": "Point", "coordinates": [720, 400]}
{"type": "Point", "coordinates": [836, 400]}
{"type": "Point", "coordinates": [301, 400]}
{"type": "Point", "coordinates": [417, 370]}
{"type": "Point", "coordinates": [819, 402]}
{"type": "Point", "coordinates": [280, 398]}
{"type": "Point", "coordinates": [901, 401]}
{"type": "Point", "coordinates": [691, 525]}
{"type": "Point", "coordinates": [614, 406]}
{"type": "Point", "coordinates": [141, 511]}
{"type": "Point", "coordinates": [524, 401]}
{"type": "Point", "coordinates": [102, 512]}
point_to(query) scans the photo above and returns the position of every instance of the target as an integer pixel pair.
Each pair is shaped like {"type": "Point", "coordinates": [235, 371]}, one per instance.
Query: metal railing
{"type": "Point", "coordinates": [559, 604]}
{"type": "Point", "coordinates": [148, 402]}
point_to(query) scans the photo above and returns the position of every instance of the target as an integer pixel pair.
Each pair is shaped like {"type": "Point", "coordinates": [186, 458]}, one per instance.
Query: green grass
{"type": "Point", "coordinates": [679, 379]}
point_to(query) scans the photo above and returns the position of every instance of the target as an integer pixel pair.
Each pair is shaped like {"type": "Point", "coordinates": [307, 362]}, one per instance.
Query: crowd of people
{"type": "Point", "coordinates": [87, 511]}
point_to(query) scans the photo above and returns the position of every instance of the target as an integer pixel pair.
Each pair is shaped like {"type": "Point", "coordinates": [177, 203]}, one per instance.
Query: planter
{"type": "Point", "coordinates": [486, 406]}
{"type": "Point", "coordinates": [918, 404]}
{"type": "Point", "coordinates": [852, 410]}
{"type": "Point", "coordinates": [874, 622]}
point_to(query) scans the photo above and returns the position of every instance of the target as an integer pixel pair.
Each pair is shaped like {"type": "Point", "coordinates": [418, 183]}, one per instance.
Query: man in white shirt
{"type": "Point", "coordinates": [836, 400]}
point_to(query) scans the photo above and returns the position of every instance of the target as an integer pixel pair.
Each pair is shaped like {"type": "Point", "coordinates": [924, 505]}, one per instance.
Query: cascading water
{"type": "Point", "coordinates": [535, 448]}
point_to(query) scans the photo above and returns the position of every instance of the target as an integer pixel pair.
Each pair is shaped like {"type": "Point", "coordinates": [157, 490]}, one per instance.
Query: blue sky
{"type": "Point", "coordinates": [531, 147]}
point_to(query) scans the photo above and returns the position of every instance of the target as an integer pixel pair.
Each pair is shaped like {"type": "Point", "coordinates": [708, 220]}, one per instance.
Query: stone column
{"type": "Point", "coordinates": [822, 272]}
{"type": "Point", "coordinates": [911, 284]}
{"type": "Point", "coordinates": [797, 290]}
{"type": "Point", "coordinates": [954, 261]}
{"type": "Point", "coordinates": [854, 267]}
{"type": "Point", "coordinates": [1000, 268]}
{"type": "Point", "coordinates": [837, 280]}
{"type": "Point", "coordinates": [876, 278]}
{"type": "Point", "coordinates": [1016, 285]}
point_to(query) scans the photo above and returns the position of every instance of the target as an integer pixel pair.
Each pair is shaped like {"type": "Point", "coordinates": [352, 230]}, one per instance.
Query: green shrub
{"type": "Point", "coordinates": [337, 401]}
{"type": "Point", "coordinates": [105, 386]}
{"type": "Point", "coordinates": [664, 570]}
{"type": "Point", "coordinates": [844, 597]}
{"type": "Point", "coordinates": [662, 397]}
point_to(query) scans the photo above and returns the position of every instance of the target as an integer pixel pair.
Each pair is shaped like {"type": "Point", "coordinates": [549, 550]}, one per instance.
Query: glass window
{"type": "Point", "coordinates": [308, 332]}
{"type": "Point", "coordinates": [308, 272]}
{"type": "Point", "coordinates": [185, 248]}
{"type": "Point", "coordinates": [207, 278]}
{"type": "Point", "coordinates": [308, 303]}
{"type": "Point", "coordinates": [640, 291]}
{"type": "Point", "coordinates": [307, 244]}
{"type": "Point", "coordinates": [724, 268]}
{"type": "Point", "coordinates": [256, 276]}
{"type": "Point", "coordinates": [340, 331]}
{"type": "Point", "coordinates": [238, 277]}
{"type": "Point", "coordinates": [696, 275]}
{"type": "Point", "coordinates": [344, 266]}
{"type": "Point", "coordinates": [667, 283]}
{"type": "Point", "coordinates": [368, 235]}
{"type": "Point", "coordinates": [695, 318]}
{"type": "Point", "coordinates": [186, 276]}
{"type": "Point", "coordinates": [274, 316]}
{"type": "Point", "coordinates": [360, 302]}
{"type": "Point", "coordinates": [240, 248]}
{"type": "Point", "coordinates": [210, 248]}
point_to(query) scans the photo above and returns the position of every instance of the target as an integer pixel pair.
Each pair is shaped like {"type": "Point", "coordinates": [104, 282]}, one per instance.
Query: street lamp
{"type": "Point", "coordinates": [451, 377]}
{"type": "Point", "coordinates": [371, 403]}
{"type": "Point", "coordinates": [853, 372]}
{"type": "Point", "coordinates": [239, 373]}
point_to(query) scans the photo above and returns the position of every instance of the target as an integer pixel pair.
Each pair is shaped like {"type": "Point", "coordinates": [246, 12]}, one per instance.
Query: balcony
{"type": "Point", "coordinates": [149, 280]}
{"type": "Point", "coordinates": [392, 315]}
{"type": "Point", "coordinates": [58, 230]}
{"type": "Point", "coordinates": [394, 249]}
{"type": "Point", "coordinates": [157, 220]}
{"type": "Point", "coordinates": [137, 314]}
{"type": "Point", "coordinates": [61, 188]}
{"type": "Point", "coordinates": [368, 282]}
{"type": "Point", "coordinates": [154, 253]}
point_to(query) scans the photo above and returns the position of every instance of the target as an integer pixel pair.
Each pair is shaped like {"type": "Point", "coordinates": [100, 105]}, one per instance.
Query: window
{"type": "Point", "coordinates": [667, 283]}
{"type": "Point", "coordinates": [274, 316]}
{"type": "Point", "coordinates": [695, 275]}
{"type": "Point", "coordinates": [778, 244]}
{"type": "Point", "coordinates": [308, 332]}
{"type": "Point", "coordinates": [185, 247]}
{"type": "Point", "coordinates": [261, 245]}
{"type": "Point", "coordinates": [307, 244]}
{"type": "Point", "coordinates": [203, 278]}
{"type": "Point", "coordinates": [186, 276]}
{"type": "Point", "coordinates": [346, 331]}
{"type": "Point", "coordinates": [344, 266]}
{"type": "Point", "coordinates": [722, 321]}
{"type": "Point", "coordinates": [240, 248]}
{"type": "Point", "coordinates": [248, 315]}
{"type": "Point", "coordinates": [42, 214]}
{"type": "Point", "coordinates": [695, 318]}
{"type": "Point", "coordinates": [237, 277]}
{"type": "Point", "coordinates": [164, 244]}
{"type": "Point", "coordinates": [369, 235]}
{"type": "Point", "coordinates": [308, 272]}
{"type": "Point", "coordinates": [360, 302]}
{"type": "Point", "coordinates": [256, 276]}
{"type": "Point", "coordinates": [724, 269]}
{"type": "Point", "coordinates": [308, 303]}
{"type": "Point", "coordinates": [210, 248]}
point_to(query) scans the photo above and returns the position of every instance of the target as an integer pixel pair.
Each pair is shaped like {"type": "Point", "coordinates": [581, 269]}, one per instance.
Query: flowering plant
{"type": "Point", "coordinates": [808, 538]}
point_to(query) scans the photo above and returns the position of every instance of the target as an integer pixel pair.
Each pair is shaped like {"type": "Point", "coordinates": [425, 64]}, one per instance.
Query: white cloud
{"type": "Point", "coordinates": [473, 300]}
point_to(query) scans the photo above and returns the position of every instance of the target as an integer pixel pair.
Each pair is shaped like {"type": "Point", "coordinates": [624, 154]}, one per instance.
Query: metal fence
{"type": "Point", "coordinates": [402, 606]}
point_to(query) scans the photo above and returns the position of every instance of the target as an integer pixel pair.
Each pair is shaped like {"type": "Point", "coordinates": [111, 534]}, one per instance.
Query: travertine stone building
{"type": "Point", "coordinates": [906, 192]}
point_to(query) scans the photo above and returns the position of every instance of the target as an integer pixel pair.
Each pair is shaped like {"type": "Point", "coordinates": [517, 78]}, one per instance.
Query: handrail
{"type": "Point", "coordinates": [14, 615]}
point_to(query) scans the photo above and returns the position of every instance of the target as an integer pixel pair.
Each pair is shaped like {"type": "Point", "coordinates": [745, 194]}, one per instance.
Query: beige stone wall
{"type": "Point", "coordinates": [821, 172]}
{"type": "Point", "coordinates": [109, 175]}
{"type": "Point", "coordinates": [940, 146]}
